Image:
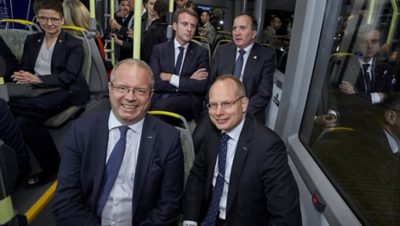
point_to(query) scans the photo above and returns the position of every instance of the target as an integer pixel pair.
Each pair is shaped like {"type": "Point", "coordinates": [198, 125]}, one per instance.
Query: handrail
{"type": "Point", "coordinates": [35, 209]}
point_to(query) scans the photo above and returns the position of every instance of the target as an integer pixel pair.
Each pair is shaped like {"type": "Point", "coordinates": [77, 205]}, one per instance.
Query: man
{"type": "Point", "coordinates": [269, 35]}
{"type": "Point", "coordinates": [246, 181]}
{"type": "Point", "coordinates": [147, 188]}
{"type": "Point", "coordinates": [180, 68]}
{"type": "Point", "coordinates": [207, 30]}
{"type": "Point", "coordinates": [255, 68]}
{"type": "Point", "coordinates": [179, 4]}
{"type": "Point", "coordinates": [363, 73]}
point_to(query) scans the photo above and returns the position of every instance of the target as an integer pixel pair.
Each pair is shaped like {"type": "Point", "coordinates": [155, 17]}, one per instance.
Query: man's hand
{"type": "Point", "coordinates": [116, 39]}
{"type": "Point", "coordinates": [200, 74]}
{"type": "Point", "coordinates": [346, 87]}
{"type": "Point", "coordinates": [165, 76]}
{"type": "Point", "coordinates": [114, 24]}
{"type": "Point", "coordinates": [25, 77]}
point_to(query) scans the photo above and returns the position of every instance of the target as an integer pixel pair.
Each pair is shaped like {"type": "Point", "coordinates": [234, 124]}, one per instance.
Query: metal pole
{"type": "Point", "coordinates": [259, 14]}
{"type": "Point", "coordinates": [137, 29]}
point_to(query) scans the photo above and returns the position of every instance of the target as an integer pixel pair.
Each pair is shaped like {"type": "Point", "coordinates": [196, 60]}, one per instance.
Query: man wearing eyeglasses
{"type": "Point", "coordinates": [121, 167]}
{"type": "Point", "coordinates": [241, 174]}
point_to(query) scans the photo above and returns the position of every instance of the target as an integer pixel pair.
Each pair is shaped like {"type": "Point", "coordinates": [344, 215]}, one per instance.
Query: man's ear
{"type": "Point", "coordinates": [174, 26]}
{"type": "Point", "coordinates": [390, 117]}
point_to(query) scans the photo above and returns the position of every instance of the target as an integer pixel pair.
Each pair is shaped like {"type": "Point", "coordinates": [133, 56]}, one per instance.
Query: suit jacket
{"type": "Point", "coordinates": [11, 62]}
{"type": "Point", "coordinates": [257, 76]}
{"type": "Point", "coordinates": [66, 64]}
{"type": "Point", "coordinates": [158, 180]}
{"type": "Point", "coordinates": [262, 190]}
{"type": "Point", "coordinates": [163, 60]}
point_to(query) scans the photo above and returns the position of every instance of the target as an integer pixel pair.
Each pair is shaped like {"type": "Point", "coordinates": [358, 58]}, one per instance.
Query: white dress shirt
{"type": "Point", "coordinates": [43, 61]}
{"type": "Point", "coordinates": [175, 78]}
{"type": "Point", "coordinates": [375, 98]}
{"type": "Point", "coordinates": [118, 207]}
{"type": "Point", "coordinates": [245, 57]}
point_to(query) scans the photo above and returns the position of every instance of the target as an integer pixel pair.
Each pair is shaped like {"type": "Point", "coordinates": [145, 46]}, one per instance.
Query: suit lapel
{"type": "Point", "coordinates": [187, 58]}
{"type": "Point", "coordinates": [242, 151]}
{"type": "Point", "coordinates": [36, 48]}
{"type": "Point", "coordinates": [58, 48]}
{"type": "Point", "coordinates": [231, 63]}
{"type": "Point", "coordinates": [251, 62]}
{"type": "Point", "coordinates": [170, 60]}
{"type": "Point", "coordinates": [147, 142]}
{"type": "Point", "coordinates": [100, 154]}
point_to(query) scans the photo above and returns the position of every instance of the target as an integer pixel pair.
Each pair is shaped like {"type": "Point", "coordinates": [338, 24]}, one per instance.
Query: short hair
{"type": "Point", "coordinates": [254, 24]}
{"type": "Point", "coordinates": [241, 91]}
{"type": "Point", "coordinates": [55, 5]}
{"type": "Point", "coordinates": [134, 62]}
{"type": "Point", "coordinates": [184, 10]}
{"type": "Point", "coordinates": [161, 8]}
{"type": "Point", "coordinates": [119, 1]}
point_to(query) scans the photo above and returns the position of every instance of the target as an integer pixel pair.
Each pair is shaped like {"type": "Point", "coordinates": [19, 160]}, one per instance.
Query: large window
{"type": "Point", "coordinates": [352, 125]}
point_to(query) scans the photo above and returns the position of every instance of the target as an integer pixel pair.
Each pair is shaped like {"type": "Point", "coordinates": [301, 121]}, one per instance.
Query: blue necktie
{"type": "Point", "coordinates": [212, 212]}
{"type": "Point", "coordinates": [239, 64]}
{"type": "Point", "coordinates": [112, 169]}
{"type": "Point", "coordinates": [179, 61]}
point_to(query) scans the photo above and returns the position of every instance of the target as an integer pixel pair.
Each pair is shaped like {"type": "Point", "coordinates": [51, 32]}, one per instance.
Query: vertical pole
{"type": "Point", "coordinates": [112, 39]}
{"type": "Point", "coordinates": [92, 15]}
{"type": "Point", "coordinates": [137, 29]}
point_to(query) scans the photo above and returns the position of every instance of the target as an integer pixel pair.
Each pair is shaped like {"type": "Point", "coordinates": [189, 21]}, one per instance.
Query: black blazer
{"type": "Point", "coordinates": [158, 180]}
{"type": "Point", "coordinates": [262, 189]}
{"type": "Point", "coordinates": [257, 77]}
{"type": "Point", "coordinates": [66, 64]}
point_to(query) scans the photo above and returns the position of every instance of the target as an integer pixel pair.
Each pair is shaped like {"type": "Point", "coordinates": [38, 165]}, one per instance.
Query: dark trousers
{"type": "Point", "coordinates": [179, 104]}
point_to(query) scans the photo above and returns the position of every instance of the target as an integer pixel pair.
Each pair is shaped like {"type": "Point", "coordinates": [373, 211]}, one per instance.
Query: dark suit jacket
{"type": "Point", "coordinates": [11, 62]}
{"type": "Point", "coordinates": [66, 64]}
{"type": "Point", "coordinates": [163, 60]}
{"type": "Point", "coordinates": [262, 190]}
{"type": "Point", "coordinates": [158, 180]}
{"type": "Point", "coordinates": [257, 77]}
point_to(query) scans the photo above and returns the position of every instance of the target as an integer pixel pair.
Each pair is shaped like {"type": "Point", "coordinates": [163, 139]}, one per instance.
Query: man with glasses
{"type": "Point", "coordinates": [241, 174]}
{"type": "Point", "coordinates": [180, 69]}
{"type": "Point", "coordinates": [53, 59]}
{"type": "Point", "coordinates": [122, 167]}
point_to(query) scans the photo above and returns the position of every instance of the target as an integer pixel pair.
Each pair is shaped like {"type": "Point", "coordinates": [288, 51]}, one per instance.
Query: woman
{"type": "Point", "coordinates": [50, 59]}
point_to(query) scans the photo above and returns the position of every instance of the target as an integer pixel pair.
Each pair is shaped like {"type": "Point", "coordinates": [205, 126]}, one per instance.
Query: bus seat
{"type": "Point", "coordinates": [205, 45]}
{"type": "Point", "coordinates": [186, 140]}
{"type": "Point", "coordinates": [219, 43]}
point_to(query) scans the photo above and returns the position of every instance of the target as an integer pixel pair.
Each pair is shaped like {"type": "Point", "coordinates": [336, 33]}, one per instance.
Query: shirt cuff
{"type": "Point", "coordinates": [375, 98]}
{"type": "Point", "coordinates": [189, 223]}
{"type": "Point", "coordinates": [174, 80]}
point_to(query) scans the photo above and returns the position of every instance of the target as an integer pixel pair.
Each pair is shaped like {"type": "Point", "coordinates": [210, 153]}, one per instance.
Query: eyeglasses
{"type": "Point", "coordinates": [136, 91]}
{"type": "Point", "coordinates": [223, 105]}
{"type": "Point", "coordinates": [53, 20]}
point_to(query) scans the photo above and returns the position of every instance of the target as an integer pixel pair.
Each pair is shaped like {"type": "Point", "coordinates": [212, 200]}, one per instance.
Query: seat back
{"type": "Point", "coordinates": [205, 45]}
{"type": "Point", "coordinates": [186, 140]}
{"type": "Point", "coordinates": [219, 43]}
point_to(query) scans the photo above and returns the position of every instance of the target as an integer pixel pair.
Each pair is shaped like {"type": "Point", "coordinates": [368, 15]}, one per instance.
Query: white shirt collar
{"type": "Point", "coordinates": [114, 123]}
{"type": "Point", "coordinates": [177, 45]}
{"type": "Point", "coordinates": [393, 141]}
{"type": "Point", "coordinates": [247, 49]}
{"type": "Point", "coordinates": [234, 134]}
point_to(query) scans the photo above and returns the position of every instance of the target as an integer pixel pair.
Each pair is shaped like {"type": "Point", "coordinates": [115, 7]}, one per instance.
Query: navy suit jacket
{"type": "Point", "coordinates": [257, 76]}
{"type": "Point", "coordinates": [163, 60]}
{"type": "Point", "coordinates": [158, 182]}
{"type": "Point", "coordinates": [66, 64]}
{"type": "Point", "coordinates": [262, 189]}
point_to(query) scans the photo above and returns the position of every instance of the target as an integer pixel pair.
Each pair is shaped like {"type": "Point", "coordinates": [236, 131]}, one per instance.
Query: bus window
{"type": "Point", "coordinates": [353, 129]}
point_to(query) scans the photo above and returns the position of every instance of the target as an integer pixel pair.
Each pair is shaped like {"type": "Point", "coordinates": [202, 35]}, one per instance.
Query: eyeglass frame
{"type": "Point", "coordinates": [45, 20]}
{"type": "Point", "coordinates": [126, 90]}
{"type": "Point", "coordinates": [223, 105]}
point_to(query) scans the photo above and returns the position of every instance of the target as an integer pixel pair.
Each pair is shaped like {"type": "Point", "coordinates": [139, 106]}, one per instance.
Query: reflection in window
{"type": "Point", "coordinates": [354, 129]}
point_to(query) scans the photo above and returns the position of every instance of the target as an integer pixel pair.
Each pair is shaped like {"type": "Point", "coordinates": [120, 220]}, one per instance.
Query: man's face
{"type": "Point", "coordinates": [276, 23]}
{"type": "Point", "coordinates": [243, 34]}
{"type": "Point", "coordinates": [368, 44]}
{"type": "Point", "coordinates": [130, 107]}
{"type": "Point", "coordinates": [185, 28]}
{"type": "Point", "coordinates": [150, 7]}
{"type": "Point", "coordinates": [204, 17]}
{"type": "Point", "coordinates": [226, 118]}
{"type": "Point", "coordinates": [50, 21]}
{"type": "Point", "coordinates": [124, 8]}
{"type": "Point", "coordinates": [181, 3]}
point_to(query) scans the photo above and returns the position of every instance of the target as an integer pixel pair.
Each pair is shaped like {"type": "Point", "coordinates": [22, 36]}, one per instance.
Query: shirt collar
{"type": "Point", "coordinates": [235, 132]}
{"type": "Point", "coordinates": [177, 45]}
{"type": "Point", "coordinates": [247, 49]}
{"type": "Point", "coordinates": [363, 62]}
{"type": "Point", "coordinates": [393, 141]}
{"type": "Point", "coordinates": [114, 123]}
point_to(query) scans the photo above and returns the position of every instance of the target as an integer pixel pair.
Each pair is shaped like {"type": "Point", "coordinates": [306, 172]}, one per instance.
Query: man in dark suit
{"type": "Point", "coordinates": [50, 59]}
{"type": "Point", "coordinates": [180, 68]}
{"type": "Point", "coordinates": [246, 181]}
{"type": "Point", "coordinates": [257, 68]}
{"type": "Point", "coordinates": [147, 188]}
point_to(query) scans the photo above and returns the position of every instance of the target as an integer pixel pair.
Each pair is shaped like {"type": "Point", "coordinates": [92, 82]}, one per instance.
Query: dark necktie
{"type": "Point", "coordinates": [112, 168]}
{"type": "Point", "coordinates": [367, 78]}
{"type": "Point", "coordinates": [212, 212]}
{"type": "Point", "coordinates": [179, 61]}
{"type": "Point", "coordinates": [239, 64]}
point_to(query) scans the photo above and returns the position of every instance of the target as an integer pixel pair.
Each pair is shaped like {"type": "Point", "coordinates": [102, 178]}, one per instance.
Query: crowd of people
{"type": "Point", "coordinates": [124, 166]}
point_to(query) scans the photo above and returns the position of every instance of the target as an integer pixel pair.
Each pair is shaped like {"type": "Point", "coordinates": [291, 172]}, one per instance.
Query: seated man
{"type": "Point", "coordinates": [121, 167]}
{"type": "Point", "coordinates": [52, 58]}
{"type": "Point", "coordinates": [180, 69]}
